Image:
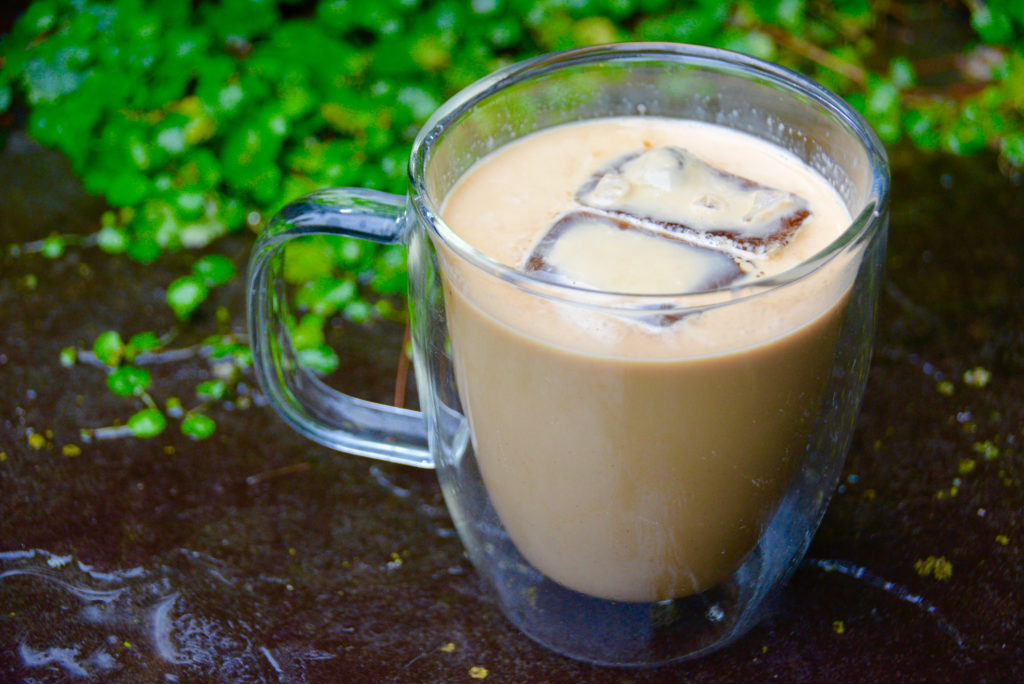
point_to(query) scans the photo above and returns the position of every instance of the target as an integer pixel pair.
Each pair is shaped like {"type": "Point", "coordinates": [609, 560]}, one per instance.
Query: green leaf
{"type": "Point", "coordinates": [128, 381]}
{"type": "Point", "coordinates": [185, 294]}
{"type": "Point", "coordinates": [214, 269]}
{"type": "Point", "coordinates": [883, 98]}
{"type": "Point", "coordinates": [39, 17]}
{"type": "Point", "coordinates": [211, 390]}
{"type": "Point", "coordinates": [964, 137]}
{"type": "Point", "coordinates": [420, 102]}
{"type": "Point", "coordinates": [790, 13]}
{"type": "Point", "coordinates": [112, 240]}
{"type": "Point", "coordinates": [127, 188]}
{"type": "Point", "coordinates": [189, 204]}
{"type": "Point", "coordinates": [221, 346]}
{"type": "Point", "coordinates": [172, 140]}
{"type": "Point", "coordinates": [505, 33]}
{"type": "Point", "coordinates": [1012, 148]}
{"type": "Point", "coordinates": [242, 356]}
{"type": "Point", "coordinates": [53, 247]}
{"type": "Point", "coordinates": [321, 360]}
{"type": "Point", "coordinates": [109, 348]}
{"type": "Point", "coordinates": [901, 70]}
{"type": "Point", "coordinates": [143, 342]}
{"type": "Point", "coordinates": [358, 311]}
{"type": "Point", "coordinates": [920, 127]}
{"type": "Point", "coordinates": [68, 356]}
{"type": "Point", "coordinates": [309, 332]}
{"type": "Point", "coordinates": [686, 25]}
{"type": "Point", "coordinates": [144, 249]}
{"type": "Point", "coordinates": [147, 423]}
{"type": "Point", "coordinates": [753, 43]}
{"type": "Point", "coordinates": [198, 426]}
{"type": "Point", "coordinates": [47, 81]}
{"type": "Point", "coordinates": [325, 296]}
{"type": "Point", "coordinates": [200, 233]}
{"type": "Point", "coordinates": [595, 31]}
{"type": "Point", "coordinates": [991, 24]}
{"type": "Point", "coordinates": [356, 255]}
{"type": "Point", "coordinates": [174, 407]}
{"type": "Point", "coordinates": [306, 259]}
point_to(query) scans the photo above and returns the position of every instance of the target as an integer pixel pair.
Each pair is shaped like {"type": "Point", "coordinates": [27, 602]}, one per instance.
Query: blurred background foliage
{"type": "Point", "coordinates": [195, 119]}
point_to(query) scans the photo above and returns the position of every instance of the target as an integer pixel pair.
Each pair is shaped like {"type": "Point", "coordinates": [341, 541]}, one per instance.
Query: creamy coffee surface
{"type": "Point", "coordinates": [669, 174]}
{"type": "Point", "coordinates": [635, 455]}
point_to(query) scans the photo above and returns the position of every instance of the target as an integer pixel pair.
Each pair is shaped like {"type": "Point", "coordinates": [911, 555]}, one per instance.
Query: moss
{"type": "Point", "coordinates": [937, 567]}
{"type": "Point", "coordinates": [986, 449]}
{"type": "Point", "coordinates": [977, 377]}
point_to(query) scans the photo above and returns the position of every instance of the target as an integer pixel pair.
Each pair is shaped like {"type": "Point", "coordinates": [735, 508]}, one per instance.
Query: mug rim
{"type": "Point", "coordinates": [794, 84]}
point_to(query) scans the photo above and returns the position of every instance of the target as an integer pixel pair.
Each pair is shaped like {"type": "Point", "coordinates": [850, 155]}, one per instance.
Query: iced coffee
{"type": "Point", "coordinates": [637, 456]}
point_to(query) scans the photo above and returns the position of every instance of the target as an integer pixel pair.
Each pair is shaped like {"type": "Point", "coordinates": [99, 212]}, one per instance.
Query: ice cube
{"type": "Point", "coordinates": [677, 192]}
{"type": "Point", "coordinates": [600, 252]}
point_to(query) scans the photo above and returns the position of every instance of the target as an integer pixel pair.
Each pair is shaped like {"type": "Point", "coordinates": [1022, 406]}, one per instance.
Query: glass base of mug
{"type": "Point", "coordinates": [620, 633]}
{"type": "Point", "coordinates": [605, 632]}
{"type": "Point", "coordinates": [627, 634]}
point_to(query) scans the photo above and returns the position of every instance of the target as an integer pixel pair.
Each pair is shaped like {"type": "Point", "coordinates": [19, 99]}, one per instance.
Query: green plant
{"type": "Point", "coordinates": [195, 120]}
{"type": "Point", "coordinates": [126, 364]}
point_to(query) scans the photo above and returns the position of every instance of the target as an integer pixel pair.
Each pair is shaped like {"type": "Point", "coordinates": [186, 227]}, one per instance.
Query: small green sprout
{"type": "Point", "coordinates": [147, 423]}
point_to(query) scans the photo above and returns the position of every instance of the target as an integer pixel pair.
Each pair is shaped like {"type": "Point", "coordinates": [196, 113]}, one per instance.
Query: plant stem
{"type": "Point", "coordinates": [402, 377]}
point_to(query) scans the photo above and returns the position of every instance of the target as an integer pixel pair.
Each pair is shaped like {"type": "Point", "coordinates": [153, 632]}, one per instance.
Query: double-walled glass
{"type": "Point", "coordinates": [626, 508]}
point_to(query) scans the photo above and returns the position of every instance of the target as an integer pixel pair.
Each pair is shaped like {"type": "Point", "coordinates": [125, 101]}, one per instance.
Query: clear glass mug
{"type": "Point", "coordinates": [624, 510]}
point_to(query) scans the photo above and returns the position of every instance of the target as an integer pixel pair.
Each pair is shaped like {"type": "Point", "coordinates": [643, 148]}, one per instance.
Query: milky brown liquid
{"type": "Point", "coordinates": [632, 460]}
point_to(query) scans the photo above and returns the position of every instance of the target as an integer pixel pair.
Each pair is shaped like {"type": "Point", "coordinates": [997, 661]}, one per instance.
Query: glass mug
{"type": "Point", "coordinates": [624, 509]}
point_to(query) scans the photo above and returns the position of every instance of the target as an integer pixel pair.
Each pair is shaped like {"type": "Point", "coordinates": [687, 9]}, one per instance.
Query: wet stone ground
{"type": "Point", "coordinates": [255, 556]}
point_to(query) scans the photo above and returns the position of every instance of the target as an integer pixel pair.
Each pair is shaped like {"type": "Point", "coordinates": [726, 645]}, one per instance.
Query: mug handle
{"type": "Point", "coordinates": [330, 417]}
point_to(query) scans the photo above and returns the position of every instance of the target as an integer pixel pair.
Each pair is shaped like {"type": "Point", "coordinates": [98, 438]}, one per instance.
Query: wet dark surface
{"type": "Point", "coordinates": [256, 556]}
